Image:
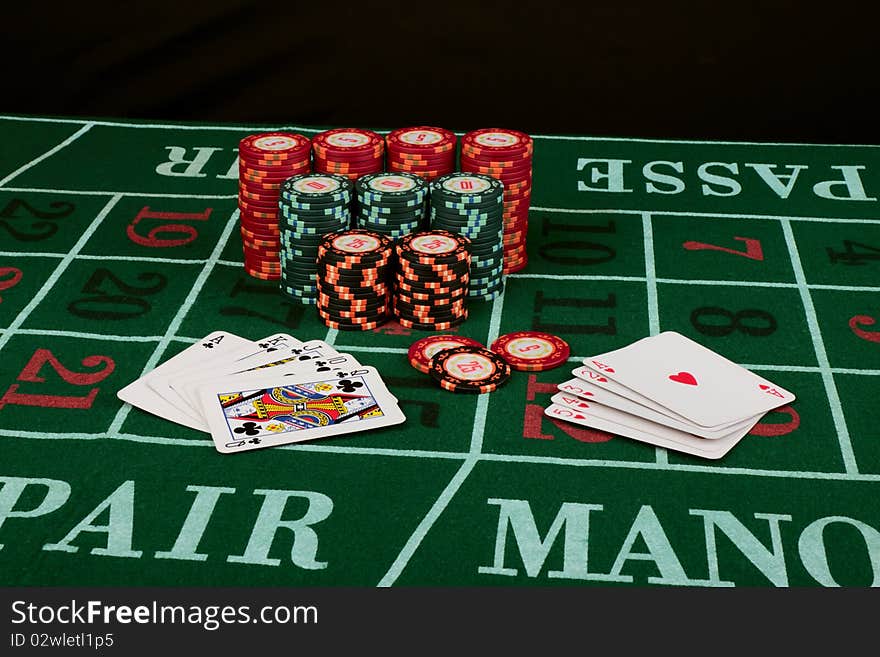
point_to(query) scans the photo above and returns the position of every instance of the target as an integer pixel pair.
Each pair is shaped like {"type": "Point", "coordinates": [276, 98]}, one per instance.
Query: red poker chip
{"type": "Point", "coordinates": [261, 166]}
{"type": "Point", "coordinates": [501, 166]}
{"type": "Point", "coordinates": [496, 162]}
{"type": "Point", "coordinates": [532, 351]}
{"type": "Point", "coordinates": [260, 175]}
{"type": "Point", "coordinates": [347, 140]}
{"type": "Point", "coordinates": [512, 269]}
{"type": "Point", "coordinates": [424, 173]}
{"type": "Point", "coordinates": [274, 146]}
{"type": "Point", "coordinates": [258, 195]}
{"type": "Point", "coordinates": [245, 160]}
{"type": "Point", "coordinates": [262, 275]}
{"type": "Point", "coordinates": [350, 158]}
{"type": "Point", "coordinates": [433, 160]}
{"type": "Point", "coordinates": [261, 188]}
{"type": "Point", "coordinates": [343, 169]}
{"type": "Point", "coordinates": [496, 141]}
{"type": "Point", "coordinates": [421, 139]}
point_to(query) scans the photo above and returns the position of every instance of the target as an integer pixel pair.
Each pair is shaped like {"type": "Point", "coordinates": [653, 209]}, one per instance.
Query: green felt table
{"type": "Point", "coordinates": [766, 253]}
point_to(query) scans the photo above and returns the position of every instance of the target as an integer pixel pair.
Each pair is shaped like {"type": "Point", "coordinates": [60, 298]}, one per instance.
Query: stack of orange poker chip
{"type": "Point", "coordinates": [505, 155]}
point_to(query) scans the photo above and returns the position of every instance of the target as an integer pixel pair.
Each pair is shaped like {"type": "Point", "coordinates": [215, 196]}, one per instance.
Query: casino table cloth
{"type": "Point", "coordinates": [119, 249]}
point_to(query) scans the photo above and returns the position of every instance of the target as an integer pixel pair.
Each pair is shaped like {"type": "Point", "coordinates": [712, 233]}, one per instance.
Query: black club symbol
{"type": "Point", "coordinates": [208, 345]}
{"type": "Point", "coordinates": [248, 429]}
{"type": "Point", "coordinates": [254, 441]}
{"type": "Point", "coordinates": [349, 386]}
{"type": "Point", "coordinates": [296, 351]}
{"type": "Point", "coordinates": [321, 366]}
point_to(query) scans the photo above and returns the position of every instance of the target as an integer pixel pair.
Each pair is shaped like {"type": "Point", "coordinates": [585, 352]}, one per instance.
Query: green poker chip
{"type": "Point", "coordinates": [390, 185]}
{"type": "Point", "coordinates": [309, 187]}
{"type": "Point", "coordinates": [463, 187]}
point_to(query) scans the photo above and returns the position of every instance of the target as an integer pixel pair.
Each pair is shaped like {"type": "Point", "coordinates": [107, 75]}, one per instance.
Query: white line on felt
{"type": "Point", "coordinates": [188, 302]}
{"type": "Point", "coordinates": [688, 281]}
{"type": "Point", "coordinates": [579, 277]}
{"type": "Point", "coordinates": [56, 274]}
{"type": "Point", "coordinates": [584, 138]}
{"type": "Point", "coordinates": [837, 415]}
{"type": "Point", "coordinates": [452, 488]}
{"type": "Point", "coordinates": [660, 454]}
{"type": "Point", "coordinates": [105, 192]}
{"type": "Point", "coordinates": [72, 138]}
{"type": "Point", "coordinates": [487, 457]}
{"type": "Point", "coordinates": [206, 443]}
{"type": "Point", "coordinates": [707, 215]}
{"type": "Point", "coordinates": [90, 336]}
{"type": "Point", "coordinates": [673, 467]}
{"type": "Point", "coordinates": [148, 259]}
{"type": "Point", "coordinates": [302, 447]}
{"type": "Point", "coordinates": [31, 254]}
{"type": "Point", "coordinates": [650, 276]}
{"type": "Point", "coordinates": [371, 349]}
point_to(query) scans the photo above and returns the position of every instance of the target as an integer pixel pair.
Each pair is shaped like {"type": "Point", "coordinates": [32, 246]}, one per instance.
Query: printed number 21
{"type": "Point", "coordinates": [753, 248]}
{"type": "Point", "coordinates": [31, 374]}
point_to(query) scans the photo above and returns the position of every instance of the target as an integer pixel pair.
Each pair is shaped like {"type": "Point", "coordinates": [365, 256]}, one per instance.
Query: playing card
{"type": "Point", "coordinates": [142, 395]}
{"type": "Point", "coordinates": [630, 426]}
{"type": "Point", "coordinates": [597, 379]}
{"type": "Point", "coordinates": [218, 352]}
{"type": "Point", "coordinates": [277, 410]}
{"type": "Point", "coordinates": [690, 380]}
{"type": "Point", "coordinates": [270, 345]}
{"type": "Point", "coordinates": [187, 385]}
{"type": "Point", "coordinates": [577, 392]}
{"type": "Point", "coordinates": [339, 365]}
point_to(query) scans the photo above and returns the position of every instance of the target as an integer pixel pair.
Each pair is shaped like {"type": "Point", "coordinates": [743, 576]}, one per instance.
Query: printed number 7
{"type": "Point", "coordinates": [753, 248]}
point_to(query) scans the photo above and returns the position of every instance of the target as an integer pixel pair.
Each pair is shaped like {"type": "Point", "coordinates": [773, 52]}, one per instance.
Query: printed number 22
{"type": "Point", "coordinates": [31, 374]}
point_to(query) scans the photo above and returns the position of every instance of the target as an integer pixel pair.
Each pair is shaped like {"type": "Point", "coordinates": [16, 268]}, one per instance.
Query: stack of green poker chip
{"type": "Point", "coordinates": [310, 205]}
{"type": "Point", "coordinates": [472, 204]}
{"type": "Point", "coordinates": [392, 204]}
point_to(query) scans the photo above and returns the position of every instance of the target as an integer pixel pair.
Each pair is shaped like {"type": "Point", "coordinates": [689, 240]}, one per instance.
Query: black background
{"type": "Point", "coordinates": [774, 70]}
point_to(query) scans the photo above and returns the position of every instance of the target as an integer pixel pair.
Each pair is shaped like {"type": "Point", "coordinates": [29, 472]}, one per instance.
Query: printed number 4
{"type": "Point", "coordinates": [753, 248]}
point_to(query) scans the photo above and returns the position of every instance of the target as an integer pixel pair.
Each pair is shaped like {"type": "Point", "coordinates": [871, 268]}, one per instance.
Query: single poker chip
{"type": "Point", "coordinates": [274, 146]}
{"type": "Point", "coordinates": [421, 140]}
{"type": "Point", "coordinates": [433, 246]}
{"type": "Point", "coordinates": [467, 187]}
{"type": "Point", "coordinates": [391, 186]}
{"type": "Point", "coordinates": [310, 187]}
{"type": "Point", "coordinates": [347, 141]}
{"type": "Point", "coordinates": [469, 369]}
{"type": "Point", "coordinates": [532, 351]}
{"type": "Point", "coordinates": [497, 142]}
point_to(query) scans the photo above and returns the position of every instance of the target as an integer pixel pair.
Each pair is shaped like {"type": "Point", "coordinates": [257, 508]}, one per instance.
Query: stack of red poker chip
{"type": "Point", "coordinates": [423, 150]}
{"type": "Point", "coordinates": [264, 162]}
{"type": "Point", "coordinates": [507, 156]}
{"type": "Point", "coordinates": [349, 152]}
